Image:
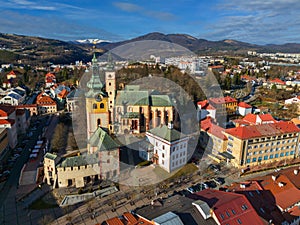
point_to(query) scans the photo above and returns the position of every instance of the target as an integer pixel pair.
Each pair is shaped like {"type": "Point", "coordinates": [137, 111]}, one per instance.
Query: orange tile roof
{"type": "Point", "coordinates": [277, 81]}
{"type": "Point", "coordinates": [244, 105]}
{"type": "Point", "coordinates": [286, 196]}
{"type": "Point", "coordinates": [63, 94]}
{"type": "Point", "coordinates": [7, 121]}
{"type": "Point", "coordinates": [261, 130]}
{"type": "Point", "coordinates": [250, 118]}
{"type": "Point", "coordinates": [222, 100]}
{"type": "Point", "coordinates": [267, 117]}
{"type": "Point", "coordinates": [11, 73]}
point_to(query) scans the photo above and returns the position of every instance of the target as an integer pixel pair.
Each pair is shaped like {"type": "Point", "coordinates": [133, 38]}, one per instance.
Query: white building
{"type": "Point", "coordinates": [170, 147]}
{"type": "Point", "coordinates": [292, 100]}
{"type": "Point", "coordinates": [244, 108]}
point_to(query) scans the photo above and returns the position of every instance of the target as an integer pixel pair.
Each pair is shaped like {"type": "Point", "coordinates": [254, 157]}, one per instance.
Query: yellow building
{"type": "Point", "coordinates": [224, 106]}
{"type": "Point", "coordinates": [264, 143]}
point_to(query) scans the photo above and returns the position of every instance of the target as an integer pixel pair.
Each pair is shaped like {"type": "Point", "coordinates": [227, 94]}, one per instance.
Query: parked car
{"type": "Point", "coordinates": [219, 180]}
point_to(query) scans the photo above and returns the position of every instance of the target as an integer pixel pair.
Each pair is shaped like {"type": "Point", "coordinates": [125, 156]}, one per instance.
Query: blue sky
{"type": "Point", "coordinates": [256, 21]}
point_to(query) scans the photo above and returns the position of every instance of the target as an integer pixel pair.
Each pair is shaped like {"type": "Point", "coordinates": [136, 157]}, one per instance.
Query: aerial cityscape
{"type": "Point", "coordinates": [136, 112]}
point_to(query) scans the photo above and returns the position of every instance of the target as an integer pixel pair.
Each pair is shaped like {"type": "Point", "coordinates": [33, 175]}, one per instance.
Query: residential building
{"type": "Point", "coordinates": [206, 110]}
{"type": "Point", "coordinates": [50, 80]}
{"type": "Point", "coordinates": [8, 120]}
{"type": "Point", "coordinates": [244, 108]}
{"type": "Point", "coordinates": [11, 75]}
{"type": "Point", "coordinates": [263, 143]}
{"type": "Point", "coordinates": [213, 139]}
{"type": "Point", "coordinates": [32, 108]}
{"type": "Point", "coordinates": [188, 210]}
{"type": "Point", "coordinates": [227, 207]}
{"type": "Point", "coordinates": [4, 146]}
{"type": "Point", "coordinates": [170, 147]}
{"type": "Point", "coordinates": [255, 119]}
{"type": "Point", "coordinates": [45, 104]}
{"type": "Point", "coordinates": [262, 200]}
{"type": "Point", "coordinates": [224, 105]}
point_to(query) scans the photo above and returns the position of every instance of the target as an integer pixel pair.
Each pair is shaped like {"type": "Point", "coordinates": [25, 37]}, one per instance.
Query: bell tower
{"type": "Point", "coordinates": [97, 108]}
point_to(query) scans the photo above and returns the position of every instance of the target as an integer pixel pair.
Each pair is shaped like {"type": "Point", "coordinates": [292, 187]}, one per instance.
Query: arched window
{"type": "Point", "coordinates": [98, 122]}
{"type": "Point", "coordinates": [95, 106]}
{"type": "Point", "coordinates": [102, 106]}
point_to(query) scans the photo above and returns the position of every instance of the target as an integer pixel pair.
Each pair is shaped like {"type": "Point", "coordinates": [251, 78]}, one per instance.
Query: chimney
{"type": "Point", "coordinates": [295, 172]}
{"type": "Point", "coordinates": [170, 125]}
{"type": "Point", "coordinates": [274, 177]}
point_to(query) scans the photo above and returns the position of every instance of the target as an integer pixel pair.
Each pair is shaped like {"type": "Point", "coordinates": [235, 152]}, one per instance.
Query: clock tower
{"type": "Point", "coordinates": [97, 108]}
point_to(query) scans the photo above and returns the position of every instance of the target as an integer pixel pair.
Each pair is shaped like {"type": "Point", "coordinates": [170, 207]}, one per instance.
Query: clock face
{"type": "Point", "coordinates": [98, 97]}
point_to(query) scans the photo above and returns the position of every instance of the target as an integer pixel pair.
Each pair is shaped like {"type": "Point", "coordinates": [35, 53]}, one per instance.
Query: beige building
{"type": "Point", "coordinates": [263, 143]}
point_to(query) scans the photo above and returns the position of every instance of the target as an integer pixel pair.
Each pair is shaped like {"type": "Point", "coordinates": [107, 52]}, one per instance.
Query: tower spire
{"type": "Point", "coordinates": [110, 64]}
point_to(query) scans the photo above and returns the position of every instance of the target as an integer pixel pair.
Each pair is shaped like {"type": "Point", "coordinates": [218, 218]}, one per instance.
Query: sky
{"type": "Point", "coordinates": [255, 21]}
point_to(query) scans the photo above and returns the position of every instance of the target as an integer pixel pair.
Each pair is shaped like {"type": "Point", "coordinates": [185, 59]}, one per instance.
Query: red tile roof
{"type": "Point", "coordinates": [244, 105]}
{"type": "Point", "coordinates": [205, 105]}
{"type": "Point", "coordinates": [277, 81]}
{"type": "Point", "coordinates": [7, 121]}
{"type": "Point", "coordinates": [212, 128]}
{"type": "Point", "coordinates": [250, 118]}
{"type": "Point", "coordinates": [222, 100]}
{"type": "Point", "coordinates": [267, 117]}
{"type": "Point", "coordinates": [261, 130]}
{"type": "Point", "coordinates": [11, 73]}
{"type": "Point", "coordinates": [63, 94]}
{"type": "Point", "coordinates": [229, 208]}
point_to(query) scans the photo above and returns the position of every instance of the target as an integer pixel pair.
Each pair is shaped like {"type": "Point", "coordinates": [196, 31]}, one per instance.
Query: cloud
{"type": "Point", "coordinates": [127, 7]}
{"type": "Point", "coordinates": [49, 27]}
{"type": "Point", "coordinates": [133, 8]}
{"type": "Point", "coordinates": [261, 22]}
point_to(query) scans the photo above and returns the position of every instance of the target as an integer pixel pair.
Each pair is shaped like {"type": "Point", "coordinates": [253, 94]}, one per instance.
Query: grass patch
{"type": "Point", "coordinates": [40, 204]}
{"type": "Point", "coordinates": [188, 169]}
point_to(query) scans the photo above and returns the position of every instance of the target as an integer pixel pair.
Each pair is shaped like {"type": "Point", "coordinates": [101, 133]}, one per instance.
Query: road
{"type": "Point", "coordinates": [10, 211]}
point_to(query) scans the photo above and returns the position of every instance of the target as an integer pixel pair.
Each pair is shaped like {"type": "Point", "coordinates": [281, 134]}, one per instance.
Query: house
{"type": "Point", "coordinates": [4, 145]}
{"type": "Point", "coordinates": [213, 139]}
{"type": "Point", "coordinates": [227, 207]}
{"type": "Point", "coordinates": [262, 143]}
{"type": "Point", "coordinates": [187, 209]}
{"type": "Point", "coordinates": [15, 96]}
{"type": "Point", "coordinates": [262, 200]}
{"type": "Point", "coordinates": [50, 80]}
{"type": "Point", "coordinates": [45, 104]}
{"type": "Point", "coordinates": [244, 108]}
{"type": "Point", "coordinates": [32, 108]}
{"type": "Point", "coordinates": [170, 147]}
{"type": "Point", "coordinates": [127, 219]}
{"type": "Point", "coordinates": [11, 75]}
{"type": "Point", "coordinates": [206, 110]}
{"type": "Point", "coordinates": [224, 105]}
{"type": "Point", "coordinates": [7, 120]}
{"type": "Point", "coordinates": [255, 119]}
{"type": "Point", "coordinates": [294, 100]}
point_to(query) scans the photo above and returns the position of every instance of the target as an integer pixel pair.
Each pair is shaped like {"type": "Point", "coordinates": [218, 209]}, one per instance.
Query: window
{"type": "Point", "coordinates": [287, 153]}
{"type": "Point", "coordinates": [254, 160]}
{"type": "Point", "coordinates": [239, 221]}
{"type": "Point", "coordinates": [271, 156]}
{"type": "Point", "coordinates": [265, 157]}
{"type": "Point", "coordinates": [222, 216]}
{"type": "Point", "coordinates": [102, 106]}
{"type": "Point", "coordinates": [109, 84]}
{"type": "Point", "coordinates": [281, 154]}
{"type": "Point", "coordinates": [108, 161]}
{"type": "Point", "coordinates": [276, 155]}
{"type": "Point", "coordinates": [292, 152]}
{"type": "Point", "coordinates": [248, 161]}
{"type": "Point", "coordinates": [98, 122]}
{"type": "Point", "coordinates": [163, 147]}
{"type": "Point", "coordinates": [259, 159]}
{"type": "Point", "coordinates": [163, 162]}
{"type": "Point", "coordinates": [244, 207]}
{"type": "Point", "coordinates": [94, 106]}
{"type": "Point", "coordinates": [233, 212]}
{"type": "Point", "coordinates": [227, 213]}
{"type": "Point", "coordinates": [163, 155]}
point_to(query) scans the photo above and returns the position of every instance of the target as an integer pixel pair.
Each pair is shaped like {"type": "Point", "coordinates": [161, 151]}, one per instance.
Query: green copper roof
{"type": "Point", "coordinates": [160, 100]}
{"type": "Point", "coordinates": [81, 160]}
{"type": "Point", "coordinates": [94, 84]}
{"type": "Point", "coordinates": [132, 87]}
{"type": "Point", "coordinates": [50, 156]}
{"type": "Point", "coordinates": [131, 115]}
{"type": "Point", "coordinates": [132, 98]}
{"type": "Point", "coordinates": [102, 140]}
{"type": "Point", "coordinates": [167, 134]}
